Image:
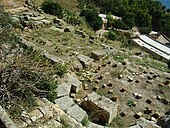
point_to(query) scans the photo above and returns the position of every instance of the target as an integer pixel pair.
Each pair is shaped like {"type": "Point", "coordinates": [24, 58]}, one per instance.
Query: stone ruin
{"type": "Point", "coordinates": [101, 110]}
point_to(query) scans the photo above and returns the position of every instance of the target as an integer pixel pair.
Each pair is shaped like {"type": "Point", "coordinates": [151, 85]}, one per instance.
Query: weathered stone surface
{"type": "Point", "coordinates": [164, 121]}
{"type": "Point", "coordinates": [77, 65]}
{"type": "Point", "coordinates": [64, 103]}
{"type": "Point", "coordinates": [35, 114]}
{"type": "Point", "coordinates": [46, 22]}
{"type": "Point", "coordinates": [98, 54]}
{"type": "Point", "coordinates": [37, 18]}
{"type": "Point", "coordinates": [52, 57]}
{"type": "Point", "coordinates": [85, 60]}
{"type": "Point", "coordinates": [77, 113]}
{"type": "Point", "coordinates": [105, 109]}
{"type": "Point", "coordinates": [44, 110]}
{"type": "Point", "coordinates": [135, 126]}
{"type": "Point", "coordinates": [5, 119]}
{"type": "Point", "coordinates": [52, 124]}
{"type": "Point", "coordinates": [76, 85]}
{"type": "Point", "coordinates": [81, 33]}
{"type": "Point", "coordinates": [30, 2]}
{"type": "Point", "coordinates": [69, 29]}
{"type": "Point", "coordinates": [63, 89]}
{"type": "Point", "coordinates": [56, 29]}
{"type": "Point", "coordinates": [93, 125]}
{"type": "Point", "coordinates": [144, 123]}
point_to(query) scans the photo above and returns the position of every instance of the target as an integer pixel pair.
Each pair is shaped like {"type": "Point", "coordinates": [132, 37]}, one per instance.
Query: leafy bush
{"type": "Point", "coordinates": [119, 24]}
{"type": "Point", "coordinates": [71, 18]}
{"type": "Point", "coordinates": [62, 69]}
{"type": "Point", "coordinates": [52, 8]}
{"type": "Point", "coordinates": [92, 17]}
{"type": "Point", "coordinates": [111, 35]}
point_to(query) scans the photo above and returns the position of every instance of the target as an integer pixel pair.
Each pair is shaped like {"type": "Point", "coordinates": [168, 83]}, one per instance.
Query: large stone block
{"type": "Point", "coordinates": [85, 60]}
{"type": "Point", "coordinates": [93, 125]}
{"type": "Point", "coordinates": [76, 85]}
{"type": "Point", "coordinates": [98, 54]}
{"type": "Point", "coordinates": [35, 115]}
{"type": "Point", "coordinates": [103, 109]}
{"type": "Point", "coordinates": [53, 58]}
{"type": "Point", "coordinates": [64, 103]}
{"type": "Point", "coordinates": [77, 113]}
{"type": "Point", "coordinates": [63, 89]}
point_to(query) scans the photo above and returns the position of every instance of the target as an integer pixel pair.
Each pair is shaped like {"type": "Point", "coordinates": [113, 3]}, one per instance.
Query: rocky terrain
{"type": "Point", "coordinates": [105, 86]}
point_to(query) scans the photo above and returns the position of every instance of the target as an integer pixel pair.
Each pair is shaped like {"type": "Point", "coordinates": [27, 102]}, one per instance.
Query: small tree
{"type": "Point", "coordinates": [52, 8]}
{"type": "Point", "coordinates": [92, 17]}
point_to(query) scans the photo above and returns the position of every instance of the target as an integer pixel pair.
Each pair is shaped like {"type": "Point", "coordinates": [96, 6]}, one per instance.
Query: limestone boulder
{"type": "Point", "coordinates": [63, 89]}
{"type": "Point", "coordinates": [85, 60]}
{"type": "Point", "coordinates": [77, 113]}
{"type": "Point", "coordinates": [76, 85]}
{"type": "Point", "coordinates": [98, 54]}
{"type": "Point", "coordinates": [64, 103]}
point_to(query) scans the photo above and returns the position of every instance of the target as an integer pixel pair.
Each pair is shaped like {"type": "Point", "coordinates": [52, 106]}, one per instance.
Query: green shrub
{"type": "Point", "coordinates": [111, 35]}
{"type": "Point", "coordinates": [52, 8]}
{"type": "Point", "coordinates": [72, 18]}
{"type": "Point", "coordinates": [92, 18]}
{"type": "Point", "coordinates": [61, 69]}
{"type": "Point", "coordinates": [119, 24]}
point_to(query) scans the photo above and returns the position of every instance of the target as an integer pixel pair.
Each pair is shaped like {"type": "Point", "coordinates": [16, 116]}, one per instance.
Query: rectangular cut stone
{"type": "Point", "coordinates": [108, 108]}
{"type": "Point", "coordinates": [63, 89]}
{"type": "Point", "coordinates": [64, 103]}
{"type": "Point", "coordinates": [93, 125]}
{"type": "Point", "coordinates": [35, 114]}
{"type": "Point", "coordinates": [98, 54]}
{"type": "Point", "coordinates": [77, 113]}
{"type": "Point", "coordinates": [85, 60]}
{"type": "Point", "coordinates": [52, 57]}
{"type": "Point", "coordinates": [76, 85]}
{"type": "Point", "coordinates": [135, 126]}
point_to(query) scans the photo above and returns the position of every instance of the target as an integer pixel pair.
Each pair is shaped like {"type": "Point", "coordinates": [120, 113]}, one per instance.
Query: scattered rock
{"type": "Point", "coordinates": [138, 115]}
{"type": "Point", "coordinates": [35, 114]}
{"type": "Point", "coordinates": [137, 96]}
{"type": "Point", "coordinates": [53, 58]}
{"type": "Point", "coordinates": [81, 33]}
{"type": "Point", "coordinates": [86, 87]}
{"type": "Point", "coordinates": [98, 54]}
{"type": "Point", "coordinates": [72, 95]}
{"type": "Point", "coordinates": [85, 60]}
{"type": "Point", "coordinates": [69, 29]}
{"type": "Point", "coordinates": [110, 92]}
{"type": "Point", "coordinates": [76, 85]}
{"type": "Point", "coordinates": [114, 98]}
{"type": "Point", "coordinates": [5, 120]}
{"type": "Point", "coordinates": [148, 101]}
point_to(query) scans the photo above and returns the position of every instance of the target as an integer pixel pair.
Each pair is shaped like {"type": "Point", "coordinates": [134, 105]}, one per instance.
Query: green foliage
{"type": "Point", "coordinates": [53, 8]}
{"type": "Point", "coordinates": [72, 18]}
{"type": "Point", "coordinates": [91, 16]}
{"type": "Point", "coordinates": [145, 14]}
{"type": "Point", "coordinates": [111, 35]}
{"type": "Point", "coordinates": [62, 69]}
{"type": "Point", "coordinates": [6, 28]}
{"type": "Point", "coordinates": [131, 103]}
{"type": "Point", "coordinates": [110, 20]}
{"type": "Point", "coordinates": [119, 24]}
{"type": "Point", "coordinates": [118, 122]}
